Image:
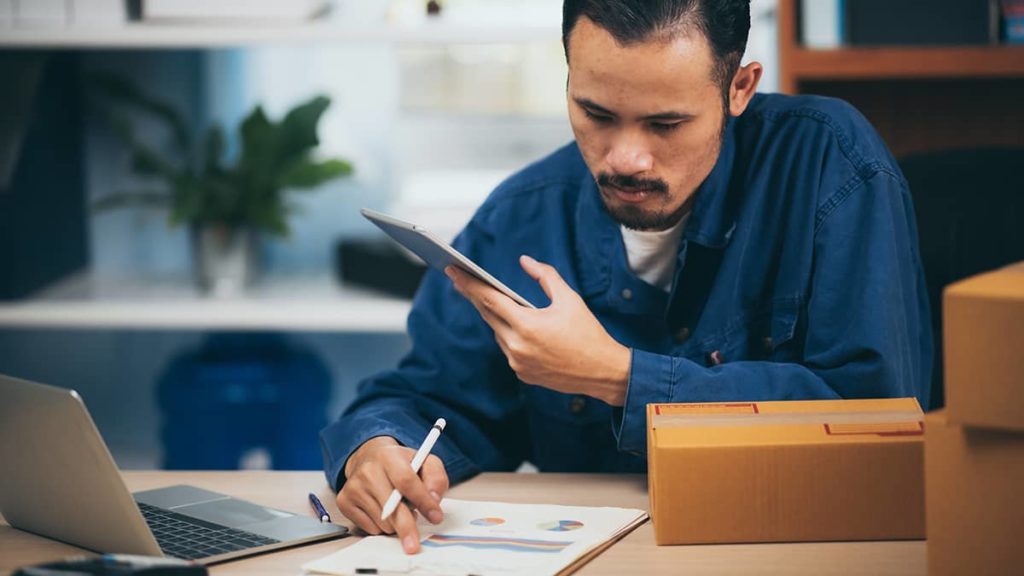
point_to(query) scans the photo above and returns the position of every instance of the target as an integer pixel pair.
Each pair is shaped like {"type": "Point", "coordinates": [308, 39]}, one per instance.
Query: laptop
{"type": "Point", "coordinates": [57, 479]}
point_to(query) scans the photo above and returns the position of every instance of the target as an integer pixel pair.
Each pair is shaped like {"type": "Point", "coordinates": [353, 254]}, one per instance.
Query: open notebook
{"type": "Point", "coordinates": [491, 538]}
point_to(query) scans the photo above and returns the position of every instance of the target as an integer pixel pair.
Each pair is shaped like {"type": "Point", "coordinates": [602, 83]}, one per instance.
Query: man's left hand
{"type": "Point", "coordinates": [562, 347]}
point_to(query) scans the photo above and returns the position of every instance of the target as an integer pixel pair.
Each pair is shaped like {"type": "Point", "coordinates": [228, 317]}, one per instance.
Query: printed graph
{"type": "Point", "coordinates": [493, 543]}
{"type": "Point", "coordinates": [560, 525]}
{"type": "Point", "coordinates": [489, 521]}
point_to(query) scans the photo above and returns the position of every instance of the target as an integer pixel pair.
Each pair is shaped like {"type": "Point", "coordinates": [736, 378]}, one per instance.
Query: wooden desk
{"type": "Point", "coordinates": [635, 554]}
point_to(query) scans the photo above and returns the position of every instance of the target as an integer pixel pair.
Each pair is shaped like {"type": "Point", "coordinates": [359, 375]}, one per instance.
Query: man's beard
{"type": "Point", "coordinates": [635, 217]}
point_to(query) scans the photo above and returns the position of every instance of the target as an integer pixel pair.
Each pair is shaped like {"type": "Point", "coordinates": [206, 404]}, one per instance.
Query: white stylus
{"type": "Point", "coordinates": [417, 461]}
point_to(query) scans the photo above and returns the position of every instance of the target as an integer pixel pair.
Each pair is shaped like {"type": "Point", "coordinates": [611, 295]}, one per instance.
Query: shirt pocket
{"type": "Point", "coordinates": [764, 334]}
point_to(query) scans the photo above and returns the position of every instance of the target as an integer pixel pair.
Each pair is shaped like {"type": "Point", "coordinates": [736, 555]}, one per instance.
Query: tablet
{"type": "Point", "coordinates": [436, 252]}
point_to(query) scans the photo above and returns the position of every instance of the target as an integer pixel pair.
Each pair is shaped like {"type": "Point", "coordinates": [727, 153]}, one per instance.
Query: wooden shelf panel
{"type": "Point", "coordinates": [906, 63]}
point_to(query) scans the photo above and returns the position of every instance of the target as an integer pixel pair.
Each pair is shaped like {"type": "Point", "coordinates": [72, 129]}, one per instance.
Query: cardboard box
{"type": "Point", "coordinates": [786, 471]}
{"type": "Point", "coordinates": [983, 331]}
{"type": "Point", "coordinates": [974, 478]}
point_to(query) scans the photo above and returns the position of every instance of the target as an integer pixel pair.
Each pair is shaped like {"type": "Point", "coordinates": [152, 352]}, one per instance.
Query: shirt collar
{"type": "Point", "coordinates": [598, 240]}
{"type": "Point", "coordinates": [714, 210]}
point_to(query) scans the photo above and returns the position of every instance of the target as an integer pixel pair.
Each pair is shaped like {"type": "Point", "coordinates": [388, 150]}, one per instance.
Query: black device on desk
{"type": "Point", "coordinates": [115, 565]}
{"type": "Point", "coordinates": [378, 263]}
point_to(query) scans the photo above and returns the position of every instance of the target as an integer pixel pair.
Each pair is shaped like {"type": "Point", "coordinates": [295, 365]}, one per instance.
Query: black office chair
{"type": "Point", "coordinates": [970, 216]}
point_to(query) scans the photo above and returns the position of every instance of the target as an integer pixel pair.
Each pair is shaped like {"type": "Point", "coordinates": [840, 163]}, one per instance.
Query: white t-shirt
{"type": "Point", "coordinates": [652, 255]}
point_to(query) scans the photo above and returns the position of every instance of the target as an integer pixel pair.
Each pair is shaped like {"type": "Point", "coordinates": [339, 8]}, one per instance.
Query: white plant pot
{"type": "Point", "coordinates": [225, 258]}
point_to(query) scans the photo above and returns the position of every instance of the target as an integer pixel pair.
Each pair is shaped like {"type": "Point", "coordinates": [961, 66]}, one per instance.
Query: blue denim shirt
{"type": "Point", "coordinates": [798, 277]}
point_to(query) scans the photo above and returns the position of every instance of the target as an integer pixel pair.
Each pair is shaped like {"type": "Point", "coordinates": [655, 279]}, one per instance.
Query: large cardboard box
{"type": "Point", "coordinates": [786, 471]}
{"type": "Point", "coordinates": [984, 349]}
{"type": "Point", "coordinates": [974, 478]}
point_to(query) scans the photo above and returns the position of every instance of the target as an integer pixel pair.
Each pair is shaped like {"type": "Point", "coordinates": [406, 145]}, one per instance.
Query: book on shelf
{"type": "Point", "coordinates": [821, 23]}
{"type": "Point", "coordinates": [1012, 13]}
{"type": "Point", "coordinates": [837, 23]}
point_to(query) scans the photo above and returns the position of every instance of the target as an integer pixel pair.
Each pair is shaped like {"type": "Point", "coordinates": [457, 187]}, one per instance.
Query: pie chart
{"type": "Point", "coordinates": [560, 525]}
{"type": "Point", "coordinates": [489, 521]}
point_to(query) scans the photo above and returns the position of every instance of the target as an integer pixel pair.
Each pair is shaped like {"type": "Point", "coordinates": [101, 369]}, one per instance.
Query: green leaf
{"type": "Point", "coordinates": [298, 129]}
{"type": "Point", "coordinates": [257, 163]}
{"type": "Point", "coordinates": [222, 198]}
{"type": "Point", "coordinates": [257, 134]}
{"type": "Point", "coordinates": [188, 203]}
{"type": "Point", "coordinates": [306, 174]}
{"type": "Point", "coordinates": [270, 217]}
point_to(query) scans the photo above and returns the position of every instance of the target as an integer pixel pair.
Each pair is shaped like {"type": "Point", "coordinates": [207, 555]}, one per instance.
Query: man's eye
{"type": "Point", "coordinates": [600, 118]}
{"type": "Point", "coordinates": [664, 126]}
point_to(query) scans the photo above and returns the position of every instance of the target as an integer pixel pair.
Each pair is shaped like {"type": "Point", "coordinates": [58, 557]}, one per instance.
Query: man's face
{"type": "Point", "coordinates": [648, 119]}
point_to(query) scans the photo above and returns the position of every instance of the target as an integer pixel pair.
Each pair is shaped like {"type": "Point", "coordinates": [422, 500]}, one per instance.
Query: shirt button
{"type": "Point", "coordinates": [627, 294]}
{"type": "Point", "coordinates": [682, 335]}
{"type": "Point", "coordinates": [577, 404]}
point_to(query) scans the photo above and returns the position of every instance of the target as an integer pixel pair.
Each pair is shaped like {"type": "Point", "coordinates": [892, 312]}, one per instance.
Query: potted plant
{"type": "Point", "coordinates": [227, 206]}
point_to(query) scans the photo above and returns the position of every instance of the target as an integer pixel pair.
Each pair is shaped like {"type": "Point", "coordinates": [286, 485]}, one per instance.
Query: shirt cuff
{"type": "Point", "coordinates": [336, 453]}
{"type": "Point", "coordinates": [651, 381]}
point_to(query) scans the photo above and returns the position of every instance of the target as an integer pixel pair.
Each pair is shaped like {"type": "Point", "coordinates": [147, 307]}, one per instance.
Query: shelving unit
{"type": "Point", "coordinates": [284, 304]}
{"type": "Point", "coordinates": [919, 98]}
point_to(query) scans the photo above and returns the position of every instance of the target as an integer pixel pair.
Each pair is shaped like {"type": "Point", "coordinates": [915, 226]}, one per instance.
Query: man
{"type": "Point", "coordinates": [697, 242]}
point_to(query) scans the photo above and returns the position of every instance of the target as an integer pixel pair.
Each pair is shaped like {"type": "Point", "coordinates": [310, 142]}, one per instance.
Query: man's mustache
{"type": "Point", "coordinates": [631, 183]}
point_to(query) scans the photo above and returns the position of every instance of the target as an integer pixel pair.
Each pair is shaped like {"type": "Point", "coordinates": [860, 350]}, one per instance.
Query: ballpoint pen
{"type": "Point", "coordinates": [417, 461]}
{"type": "Point", "coordinates": [318, 507]}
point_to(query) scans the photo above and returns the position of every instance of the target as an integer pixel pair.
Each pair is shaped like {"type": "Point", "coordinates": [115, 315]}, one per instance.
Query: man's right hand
{"type": "Point", "coordinates": [373, 470]}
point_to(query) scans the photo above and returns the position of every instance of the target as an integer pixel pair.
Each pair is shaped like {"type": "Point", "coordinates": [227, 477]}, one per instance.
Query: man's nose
{"type": "Point", "coordinates": [629, 155]}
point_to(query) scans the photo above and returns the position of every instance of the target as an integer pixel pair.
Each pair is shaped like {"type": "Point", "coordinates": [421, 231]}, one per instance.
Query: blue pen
{"type": "Point", "coordinates": [319, 508]}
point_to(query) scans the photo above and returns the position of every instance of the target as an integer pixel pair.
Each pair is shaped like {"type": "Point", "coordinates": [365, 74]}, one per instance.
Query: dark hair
{"type": "Point", "coordinates": [724, 23]}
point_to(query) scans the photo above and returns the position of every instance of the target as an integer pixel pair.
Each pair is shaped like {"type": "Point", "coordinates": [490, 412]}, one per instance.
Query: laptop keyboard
{"type": "Point", "coordinates": [190, 538]}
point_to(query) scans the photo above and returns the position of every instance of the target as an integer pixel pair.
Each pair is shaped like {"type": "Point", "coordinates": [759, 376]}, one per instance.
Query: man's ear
{"type": "Point", "coordinates": [743, 87]}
